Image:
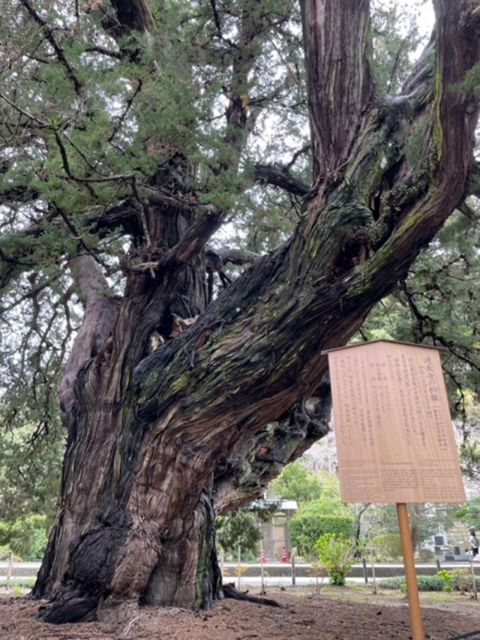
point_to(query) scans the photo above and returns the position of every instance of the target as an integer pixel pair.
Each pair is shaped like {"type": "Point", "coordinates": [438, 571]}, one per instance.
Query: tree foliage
{"type": "Point", "coordinates": [26, 537]}
{"type": "Point", "coordinates": [470, 513]}
{"type": "Point", "coordinates": [238, 530]}
{"type": "Point", "coordinates": [297, 483]}
{"type": "Point", "coordinates": [317, 518]}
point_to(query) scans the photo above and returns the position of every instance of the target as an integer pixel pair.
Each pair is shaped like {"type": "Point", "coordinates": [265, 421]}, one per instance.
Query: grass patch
{"type": "Point", "coordinates": [24, 583]}
{"type": "Point", "coordinates": [425, 583]}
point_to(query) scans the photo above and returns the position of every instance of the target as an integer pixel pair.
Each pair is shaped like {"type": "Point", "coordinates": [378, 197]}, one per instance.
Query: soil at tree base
{"type": "Point", "coordinates": [314, 617]}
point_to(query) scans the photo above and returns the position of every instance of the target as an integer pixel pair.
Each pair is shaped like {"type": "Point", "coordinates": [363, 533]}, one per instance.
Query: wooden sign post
{"type": "Point", "coordinates": [414, 610]}
{"type": "Point", "coordinates": [394, 435]}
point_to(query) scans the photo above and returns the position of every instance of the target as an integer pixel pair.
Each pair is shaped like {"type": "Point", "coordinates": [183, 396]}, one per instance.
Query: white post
{"type": "Point", "coordinates": [11, 559]}
{"type": "Point", "coordinates": [239, 567]}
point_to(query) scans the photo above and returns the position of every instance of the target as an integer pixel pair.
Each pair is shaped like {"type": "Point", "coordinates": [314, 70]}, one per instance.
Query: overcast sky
{"type": "Point", "coordinates": [426, 16]}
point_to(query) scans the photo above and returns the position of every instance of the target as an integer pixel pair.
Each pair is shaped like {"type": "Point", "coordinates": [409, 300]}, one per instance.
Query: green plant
{"type": "Point", "coordinates": [238, 529]}
{"type": "Point", "coordinates": [24, 583]}
{"type": "Point", "coordinates": [314, 519]}
{"type": "Point", "coordinates": [27, 537]}
{"type": "Point", "coordinates": [462, 580]}
{"type": "Point", "coordinates": [5, 552]}
{"type": "Point", "coordinates": [336, 555]}
{"type": "Point", "coordinates": [425, 583]}
{"type": "Point", "coordinates": [297, 483]}
{"type": "Point", "coordinates": [447, 579]}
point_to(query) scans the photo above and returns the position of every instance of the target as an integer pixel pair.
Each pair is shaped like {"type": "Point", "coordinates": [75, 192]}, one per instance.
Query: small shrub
{"type": "Point", "coordinates": [24, 583]}
{"type": "Point", "coordinates": [318, 518]}
{"type": "Point", "coordinates": [447, 579]}
{"type": "Point", "coordinates": [391, 584]}
{"type": "Point", "coordinates": [462, 580]}
{"type": "Point", "coordinates": [238, 529]}
{"type": "Point", "coordinates": [425, 583]}
{"type": "Point", "coordinates": [336, 555]}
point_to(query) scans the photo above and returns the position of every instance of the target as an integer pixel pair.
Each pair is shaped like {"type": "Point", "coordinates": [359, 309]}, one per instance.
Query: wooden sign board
{"type": "Point", "coordinates": [392, 425]}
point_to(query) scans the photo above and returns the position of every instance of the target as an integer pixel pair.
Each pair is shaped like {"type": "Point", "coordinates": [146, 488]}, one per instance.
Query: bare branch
{"type": "Point", "coordinates": [235, 256]}
{"type": "Point", "coordinates": [279, 176]}
{"type": "Point", "coordinates": [218, 25]}
{"type": "Point", "coordinates": [419, 83]}
{"type": "Point", "coordinates": [467, 211]}
{"type": "Point", "coordinates": [104, 52]}
{"type": "Point", "coordinates": [208, 221]}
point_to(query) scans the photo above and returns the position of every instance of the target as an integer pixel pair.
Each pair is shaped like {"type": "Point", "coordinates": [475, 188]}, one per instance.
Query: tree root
{"type": "Point", "coordinates": [229, 591]}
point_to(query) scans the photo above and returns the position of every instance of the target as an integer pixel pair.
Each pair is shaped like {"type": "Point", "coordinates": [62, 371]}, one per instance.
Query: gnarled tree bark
{"type": "Point", "coordinates": [160, 440]}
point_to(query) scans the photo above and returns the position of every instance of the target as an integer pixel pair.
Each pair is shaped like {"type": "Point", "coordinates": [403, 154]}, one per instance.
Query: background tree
{"type": "Point", "coordinates": [239, 530]}
{"type": "Point", "coordinates": [426, 521]}
{"type": "Point", "coordinates": [131, 133]}
{"type": "Point", "coordinates": [320, 508]}
{"type": "Point", "coordinates": [470, 513]}
{"type": "Point", "coordinates": [317, 518]}
{"type": "Point", "coordinates": [297, 483]}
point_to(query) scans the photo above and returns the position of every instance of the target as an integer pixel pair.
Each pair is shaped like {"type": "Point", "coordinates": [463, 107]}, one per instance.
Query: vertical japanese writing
{"type": "Point", "coordinates": [433, 391]}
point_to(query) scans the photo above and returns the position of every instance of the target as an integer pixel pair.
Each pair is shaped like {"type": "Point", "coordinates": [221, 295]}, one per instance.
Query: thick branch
{"type": "Point", "coordinates": [245, 474]}
{"type": "Point", "coordinates": [279, 176]}
{"type": "Point", "coordinates": [458, 26]}
{"type": "Point", "coordinates": [236, 256]}
{"type": "Point", "coordinates": [100, 313]}
{"type": "Point", "coordinates": [19, 194]}
{"type": "Point", "coordinates": [339, 82]}
{"type": "Point", "coordinates": [420, 80]}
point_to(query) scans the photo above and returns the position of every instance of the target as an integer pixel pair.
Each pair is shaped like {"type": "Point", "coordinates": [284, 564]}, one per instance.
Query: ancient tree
{"type": "Point", "coordinates": [181, 403]}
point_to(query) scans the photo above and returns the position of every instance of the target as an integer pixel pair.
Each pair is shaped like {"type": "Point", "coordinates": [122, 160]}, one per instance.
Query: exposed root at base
{"type": "Point", "coordinates": [229, 591]}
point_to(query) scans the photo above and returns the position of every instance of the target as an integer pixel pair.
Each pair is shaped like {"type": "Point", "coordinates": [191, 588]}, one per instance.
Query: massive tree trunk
{"type": "Point", "coordinates": [161, 439]}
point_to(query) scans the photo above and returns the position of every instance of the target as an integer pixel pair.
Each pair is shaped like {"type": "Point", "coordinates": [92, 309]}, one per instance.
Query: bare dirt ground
{"type": "Point", "coordinates": [303, 616]}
